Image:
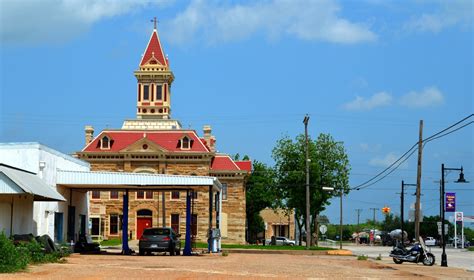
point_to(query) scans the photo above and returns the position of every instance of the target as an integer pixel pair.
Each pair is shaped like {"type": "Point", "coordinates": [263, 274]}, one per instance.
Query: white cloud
{"type": "Point", "coordinates": [386, 160]}
{"type": "Point", "coordinates": [379, 99]}
{"type": "Point", "coordinates": [450, 13]}
{"type": "Point", "coordinates": [48, 21]}
{"type": "Point", "coordinates": [215, 22]}
{"type": "Point", "coordinates": [365, 147]}
{"type": "Point", "coordinates": [428, 97]}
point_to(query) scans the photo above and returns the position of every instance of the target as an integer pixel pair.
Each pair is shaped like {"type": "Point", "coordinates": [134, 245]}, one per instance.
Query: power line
{"type": "Point", "coordinates": [410, 152]}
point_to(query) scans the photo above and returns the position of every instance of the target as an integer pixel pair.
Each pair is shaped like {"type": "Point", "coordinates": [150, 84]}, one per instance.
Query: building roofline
{"type": "Point", "coordinates": [39, 146]}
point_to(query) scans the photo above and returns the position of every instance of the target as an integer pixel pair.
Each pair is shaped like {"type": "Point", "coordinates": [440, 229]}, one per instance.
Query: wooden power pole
{"type": "Point", "coordinates": [418, 183]}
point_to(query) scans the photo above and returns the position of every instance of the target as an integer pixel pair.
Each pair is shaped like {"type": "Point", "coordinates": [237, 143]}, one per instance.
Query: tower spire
{"type": "Point", "coordinates": [154, 79]}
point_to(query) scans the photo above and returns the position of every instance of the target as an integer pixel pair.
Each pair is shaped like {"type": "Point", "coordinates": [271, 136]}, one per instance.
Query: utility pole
{"type": "Point", "coordinates": [374, 209]}
{"type": "Point", "coordinates": [308, 228]}
{"type": "Point", "coordinates": [358, 228]}
{"type": "Point", "coordinates": [402, 207]}
{"type": "Point", "coordinates": [418, 183]}
{"type": "Point", "coordinates": [340, 206]}
{"type": "Point", "coordinates": [358, 218]}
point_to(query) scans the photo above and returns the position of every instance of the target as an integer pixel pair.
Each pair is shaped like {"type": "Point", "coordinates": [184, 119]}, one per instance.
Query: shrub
{"type": "Point", "coordinates": [379, 258]}
{"type": "Point", "coordinates": [225, 253]}
{"type": "Point", "coordinates": [37, 253]}
{"type": "Point", "coordinates": [11, 259]}
{"type": "Point", "coordinates": [362, 258]}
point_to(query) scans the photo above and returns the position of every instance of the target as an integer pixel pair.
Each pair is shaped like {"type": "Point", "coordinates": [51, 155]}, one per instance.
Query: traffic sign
{"type": "Point", "coordinates": [323, 229]}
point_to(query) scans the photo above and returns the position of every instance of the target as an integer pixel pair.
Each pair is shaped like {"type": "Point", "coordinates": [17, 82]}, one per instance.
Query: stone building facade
{"type": "Point", "coordinates": [278, 222]}
{"type": "Point", "coordinates": [156, 143]}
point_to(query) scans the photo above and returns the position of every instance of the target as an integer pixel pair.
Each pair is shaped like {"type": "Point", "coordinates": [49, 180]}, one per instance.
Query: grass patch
{"type": "Point", "coordinates": [271, 247]}
{"type": "Point", "coordinates": [225, 253]}
{"type": "Point", "coordinates": [203, 245]}
{"type": "Point", "coordinates": [470, 249]}
{"type": "Point", "coordinates": [362, 258]}
{"type": "Point", "coordinates": [111, 242]}
{"type": "Point", "coordinates": [379, 258]}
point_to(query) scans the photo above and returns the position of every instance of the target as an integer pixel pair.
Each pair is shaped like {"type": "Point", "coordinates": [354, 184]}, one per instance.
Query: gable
{"type": "Point", "coordinates": [164, 140]}
{"type": "Point", "coordinates": [144, 145]}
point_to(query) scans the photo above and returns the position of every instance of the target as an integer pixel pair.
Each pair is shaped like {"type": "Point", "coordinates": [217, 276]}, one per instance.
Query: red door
{"type": "Point", "coordinates": [143, 223]}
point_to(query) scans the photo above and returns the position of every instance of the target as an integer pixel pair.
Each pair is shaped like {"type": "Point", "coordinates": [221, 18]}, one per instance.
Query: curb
{"type": "Point", "coordinates": [291, 252]}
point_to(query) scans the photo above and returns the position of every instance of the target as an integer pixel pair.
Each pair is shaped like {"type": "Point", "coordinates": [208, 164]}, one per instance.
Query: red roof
{"type": "Point", "coordinates": [154, 49]}
{"type": "Point", "coordinates": [244, 165]}
{"type": "Point", "coordinates": [166, 139]}
{"type": "Point", "coordinates": [223, 162]}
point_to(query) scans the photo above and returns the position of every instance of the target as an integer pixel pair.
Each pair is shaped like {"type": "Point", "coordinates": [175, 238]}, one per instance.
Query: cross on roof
{"type": "Point", "coordinates": [155, 21]}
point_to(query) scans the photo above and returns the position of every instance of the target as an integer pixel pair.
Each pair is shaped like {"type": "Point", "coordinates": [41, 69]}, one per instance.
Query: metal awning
{"type": "Point", "coordinates": [123, 180]}
{"type": "Point", "coordinates": [18, 181]}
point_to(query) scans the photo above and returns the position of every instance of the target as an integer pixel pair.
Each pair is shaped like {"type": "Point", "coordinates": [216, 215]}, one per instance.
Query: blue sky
{"type": "Point", "coordinates": [365, 71]}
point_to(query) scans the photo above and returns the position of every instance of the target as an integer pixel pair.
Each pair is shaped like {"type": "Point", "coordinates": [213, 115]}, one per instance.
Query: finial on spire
{"type": "Point", "coordinates": [155, 21]}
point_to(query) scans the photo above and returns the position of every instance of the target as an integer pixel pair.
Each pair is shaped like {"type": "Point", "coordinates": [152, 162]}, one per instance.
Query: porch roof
{"type": "Point", "coordinates": [17, 181]}
{"type": "Point", "coordinates": [123, 180]}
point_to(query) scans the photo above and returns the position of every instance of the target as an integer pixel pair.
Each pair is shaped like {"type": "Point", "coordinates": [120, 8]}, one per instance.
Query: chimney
{"type": "Point", "coordinates": [89, 134]}
{"type": "Point", "coordinates": [212, 145]}
{"type": "Point", "coordinates": [210, 140]}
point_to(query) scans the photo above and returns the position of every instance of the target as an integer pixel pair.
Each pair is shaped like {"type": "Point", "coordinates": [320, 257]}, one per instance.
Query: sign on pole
{"type": "Point", "coordinates": [445, 229]}
{"type": "Point", "coordinates": [450, 202]}
{"type": "Point", "coordinates": [323, 229]}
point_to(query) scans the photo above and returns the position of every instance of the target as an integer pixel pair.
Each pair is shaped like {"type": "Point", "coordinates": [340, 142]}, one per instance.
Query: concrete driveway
{"type": "Point", "coordinates": [460, 258]}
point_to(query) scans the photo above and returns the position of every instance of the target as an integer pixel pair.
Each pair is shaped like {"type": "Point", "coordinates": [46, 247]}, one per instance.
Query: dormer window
{"type": "Point", "coordinates": [105, 143]}
{"type": "Point", "coordinates": [185, 143]}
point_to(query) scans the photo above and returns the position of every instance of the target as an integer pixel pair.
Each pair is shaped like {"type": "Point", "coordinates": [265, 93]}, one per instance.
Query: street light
{"type": "Point", "coordinates": [308, 228]}
{"type": "Point", "coordinates": [341, 193]}
{"type": "Point", "coordinates": [444, 259]}
{"type": "Point", "coordinates": [402, 197]}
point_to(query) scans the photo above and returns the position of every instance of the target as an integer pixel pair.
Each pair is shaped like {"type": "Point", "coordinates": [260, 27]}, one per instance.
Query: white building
{"type": "Point", "coordinates": [30, 201]}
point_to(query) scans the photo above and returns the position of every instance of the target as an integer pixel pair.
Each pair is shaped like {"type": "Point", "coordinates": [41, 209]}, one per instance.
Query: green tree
{"type": "Point", "coordinates": [390, 222]}
{"type": "Point", "coordinates": [260, 194]}
{"type": "Point", "coordinates": [329, 166]}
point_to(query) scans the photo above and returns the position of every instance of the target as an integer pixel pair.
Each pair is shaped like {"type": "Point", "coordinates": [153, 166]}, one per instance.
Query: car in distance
{"type": "Point", "coordinates": [281, 240]}
{"type": "Point", "coordinates": [161, 239]}
{"type": "Point", "coordinates": [430, 241]}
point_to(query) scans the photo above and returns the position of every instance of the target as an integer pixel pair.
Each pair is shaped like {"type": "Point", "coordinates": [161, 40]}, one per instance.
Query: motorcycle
{"type": "Point", "coordinates": [417, 253]}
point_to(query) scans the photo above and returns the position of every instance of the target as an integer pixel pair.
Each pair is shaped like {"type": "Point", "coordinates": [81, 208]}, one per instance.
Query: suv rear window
{"type": "Point", "coordinates": [156, 231]}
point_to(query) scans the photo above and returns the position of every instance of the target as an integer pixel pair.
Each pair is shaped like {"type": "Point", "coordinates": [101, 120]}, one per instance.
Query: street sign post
{"type": "Point", "coordinates": [458, 218]}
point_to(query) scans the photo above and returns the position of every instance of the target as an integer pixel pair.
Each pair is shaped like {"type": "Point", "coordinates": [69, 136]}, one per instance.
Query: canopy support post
{"type": "Point", "coordinates": [125, 249]}
{"type": "Point", "coordinates": [187, 241]}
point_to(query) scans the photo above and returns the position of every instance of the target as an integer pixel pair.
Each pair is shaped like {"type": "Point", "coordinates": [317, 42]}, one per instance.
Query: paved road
{"type": "Point", "coordinates": [232, 266]}
{"type": "Point", "coordinates": [456, 257]}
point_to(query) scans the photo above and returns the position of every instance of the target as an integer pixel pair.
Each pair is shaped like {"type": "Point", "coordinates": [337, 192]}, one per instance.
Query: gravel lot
{"type": "Point", "coordinates": [233, 266]}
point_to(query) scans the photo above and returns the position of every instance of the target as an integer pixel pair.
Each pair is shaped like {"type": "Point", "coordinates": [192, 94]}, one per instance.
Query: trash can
{"type": "Point", "coordinates": [215, 236]}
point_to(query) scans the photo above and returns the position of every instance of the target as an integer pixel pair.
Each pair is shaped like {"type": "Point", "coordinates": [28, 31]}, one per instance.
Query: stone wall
{"type": "Point", "coordinates": [233, 208]}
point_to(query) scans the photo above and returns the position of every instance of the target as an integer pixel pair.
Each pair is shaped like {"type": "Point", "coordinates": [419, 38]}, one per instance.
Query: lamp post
{"type": "Point", "coordinates": [402, 197]}
{"type": "Point", "coordinates": [308, 228]}
{"type": "Point", "coordinates": [341, 193]}
{"type": "Point", "coordinates": [444, 259]}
